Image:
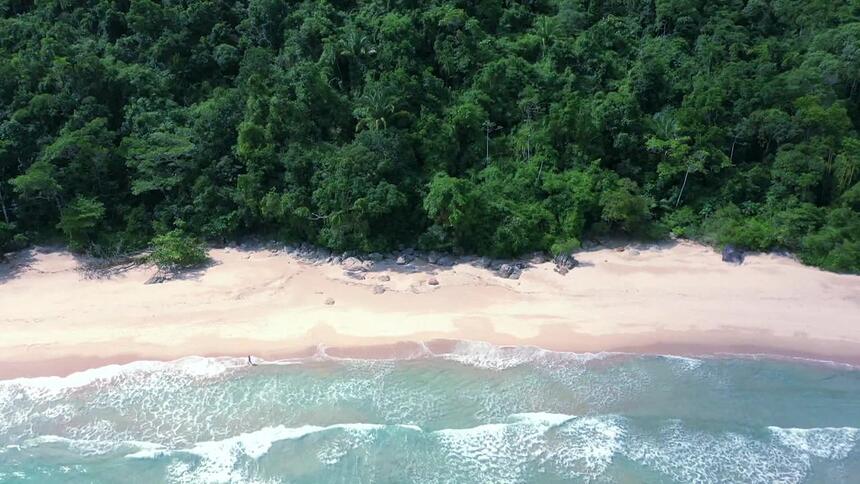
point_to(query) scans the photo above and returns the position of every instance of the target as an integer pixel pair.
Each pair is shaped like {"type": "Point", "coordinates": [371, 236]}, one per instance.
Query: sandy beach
{"type": "Point", "coordinates": [678, 298]}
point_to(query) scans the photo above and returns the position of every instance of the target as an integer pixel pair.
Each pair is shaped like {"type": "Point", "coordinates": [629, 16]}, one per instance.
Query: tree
{"type": "Point", "coordinates": [80, 219]}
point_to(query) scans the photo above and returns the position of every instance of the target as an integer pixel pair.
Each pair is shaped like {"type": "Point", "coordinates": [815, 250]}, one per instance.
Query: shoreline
{"type": "Point", "coordinates": [416, 351]}
{"type": "Point", "coordinates": [678, 299]}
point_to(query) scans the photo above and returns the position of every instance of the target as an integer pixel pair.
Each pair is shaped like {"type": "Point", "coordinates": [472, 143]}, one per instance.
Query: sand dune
{"type": "Point", "coordinates": [678, 298]}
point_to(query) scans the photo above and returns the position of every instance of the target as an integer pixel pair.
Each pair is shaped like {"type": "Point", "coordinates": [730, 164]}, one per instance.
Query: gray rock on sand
{"type": "Point", "coordinates": [329, 301]}
{"type": "Point", "coordinates": [384, 278]}
{"type": "Point", "coordinates": [565, 262]}
{"type": "Point", "coordinates": [375, 256]}
{"type": "Point", "coordinates": [506, 271]}
{"type": "Point", "coordinates": [733, 255]}
{"type": "Point", "coordinates": [484, 262]}
{"type": "Point", "coordinates": [404, 259]}
{"type": "Point", "coordinates": [538, 258]}
{"type": "Point", "coordinates": [358, 276]}
{"type": "Point", "coordinates": [432, 281]}
{"type": "Point", "coordinates": [354, 264]}
{"type": "Point", "coordinates": [433, 257]}
{"type": "Point", "coordinates": [445, 261]}
{"type": "Point", "coordinates": [378, 289]}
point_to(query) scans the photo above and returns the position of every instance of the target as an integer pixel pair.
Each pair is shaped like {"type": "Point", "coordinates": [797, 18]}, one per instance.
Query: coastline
{"type": "Point", "coordinates": [669, 299]}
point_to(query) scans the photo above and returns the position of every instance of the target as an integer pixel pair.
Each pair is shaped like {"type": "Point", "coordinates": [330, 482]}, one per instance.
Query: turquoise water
{"type": "Point", "coordinates": [481, 414]}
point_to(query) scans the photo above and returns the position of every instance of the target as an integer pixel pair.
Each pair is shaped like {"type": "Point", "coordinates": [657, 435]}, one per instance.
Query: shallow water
{"type": "Point", "coordinates": [479, 414]}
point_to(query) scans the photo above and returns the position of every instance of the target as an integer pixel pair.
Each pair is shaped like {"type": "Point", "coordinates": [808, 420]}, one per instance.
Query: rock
{"type": "Point", "coordinates": [538, 258]}
{"type": "Point", "coordinates": [358, 276]}
{"type": "Point", "coordinates": [432, 281]}
{"type": "Point", "coordinates": [564, 263]}
{"type": "Point", "coordinates": [375, 256]}
{"type": "Point", "coordinates": [329, 301]}
{"type": "Point", "coordinates": [378, 289]}
{"type": "Point", "coordinates": [336, 260]}
{"type": "Point", "coordinates": [733, 255]}
{"type": "Point", "coordinates": [516, 274]}
{"type": "Point", "coordinates": [384, 278]}
{"type": "Point", "coordinates": [433, 257]}
{"type": "Point", "coordinates": [484, 262]}
{"type": "Point", "coordinates": [408, 251]}
{"type": "Point", "coordinates": [633, 252]}
{"type": "Point", "coordinates": [445, 261]}
{"type": "Point", "coordinates": [506, 270]}
{"type": "Point", "coordinates": [404, 259]}
{"type": "Point", "coordinates": [353, 264]}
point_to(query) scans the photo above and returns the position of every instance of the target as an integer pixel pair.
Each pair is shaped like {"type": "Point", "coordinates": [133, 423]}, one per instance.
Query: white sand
{"type": "Point", "coordinates": [679, 299]}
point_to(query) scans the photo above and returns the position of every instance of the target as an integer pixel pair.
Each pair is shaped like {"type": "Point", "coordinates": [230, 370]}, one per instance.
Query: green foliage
{"type": "Point", "coordinates": [80, 219]}
{"type": "Point", "coordinates": [7, 232]}
{"type": "Point", "coordinates": [490, 127]}
{"type": "Point", "coordinates": [176, 249]}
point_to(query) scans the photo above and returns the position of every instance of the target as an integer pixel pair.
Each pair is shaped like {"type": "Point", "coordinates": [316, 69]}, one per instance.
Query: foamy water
{"type": "Point", "coordinates": [479, 413]}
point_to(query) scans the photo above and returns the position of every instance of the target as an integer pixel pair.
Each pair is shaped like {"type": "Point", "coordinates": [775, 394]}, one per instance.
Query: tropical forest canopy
{"type": "Point", "coordinates": [496, 126]}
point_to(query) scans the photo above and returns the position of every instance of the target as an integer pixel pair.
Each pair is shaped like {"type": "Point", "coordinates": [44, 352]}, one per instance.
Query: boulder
{"type": "Point", "coordinates": [358, 276]}
{"type": "Point", "coordinates": [404, 259]}
{"type": "Point", "coordinates": [353, 264]}
{"type": "Point", "coordinates": [564, 263]}
{"type": "Point", "coordinates": [378, 289]}
{"type": "Point", "coordinates": [433, 257]}
{"type": "Point", "coordinates": [329, 301]}
{"type": "Point", "coordinates": [733, 255]}
{"type": "Point", "coordinates": [446, 261]}
{"type": "Point", "coordinates": [506, 270]}
{"type": "Point", "coordinates": [375, 256]}
{"type": "Point", "coordinates": [432, 281]}
{"type": "Point", "coordinates": [538, 258]}
{"type": "Point", "coordinates": [516, 274]}
{"type": "Point", "coordinates": [384, 278]}
{"type": "Point", "coordinates": [484, 262]}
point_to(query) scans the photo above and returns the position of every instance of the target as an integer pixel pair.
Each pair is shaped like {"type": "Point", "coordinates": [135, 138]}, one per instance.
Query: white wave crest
{"type": "Point", "coordinates": [192, 366]}
{"type": "Point", "coordinates": [485, 355]}
{"type": "Point", "coordinates": [833, 443]}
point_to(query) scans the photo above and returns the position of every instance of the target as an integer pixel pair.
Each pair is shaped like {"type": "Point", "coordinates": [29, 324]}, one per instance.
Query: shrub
{"type": "Point", "coordinates": [175, 249]}
{"type": "Point", "coordinates": [564, 246]}
{"type": "Point", "coordinates": [80, 219]}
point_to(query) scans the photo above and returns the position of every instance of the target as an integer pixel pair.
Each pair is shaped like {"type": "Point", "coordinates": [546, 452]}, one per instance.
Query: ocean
{"type": "Point", "coordinates": [479, 414]}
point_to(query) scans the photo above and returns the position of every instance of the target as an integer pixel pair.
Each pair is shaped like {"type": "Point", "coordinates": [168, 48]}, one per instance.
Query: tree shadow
{"type": "Point", "coordinates": [196, 272]}
{"type": "Point", "coordinates": [108, 268]}
{"type": "Point", "coordinates": [14, 264]}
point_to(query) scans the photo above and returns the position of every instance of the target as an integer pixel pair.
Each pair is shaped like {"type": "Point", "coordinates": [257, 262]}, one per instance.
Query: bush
{"type": "Point", "coordinates": [177, 250]}
{"type": "Point", "coordinates": [565, 246]}
{"type": "Point", "coordinates": [79, 221]}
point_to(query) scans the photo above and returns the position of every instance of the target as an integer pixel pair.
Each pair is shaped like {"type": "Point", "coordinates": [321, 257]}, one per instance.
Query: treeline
{"type": "Point", "coordinates": [494, 126]}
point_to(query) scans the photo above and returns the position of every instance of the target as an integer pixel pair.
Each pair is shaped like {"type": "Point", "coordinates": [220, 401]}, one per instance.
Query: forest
{"type": "Point", "coordinates": [493, 127]}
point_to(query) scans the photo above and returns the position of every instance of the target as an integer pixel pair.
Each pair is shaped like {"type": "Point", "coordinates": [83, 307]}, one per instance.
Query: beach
{"type": "Point", "coordinates": [677, 298]}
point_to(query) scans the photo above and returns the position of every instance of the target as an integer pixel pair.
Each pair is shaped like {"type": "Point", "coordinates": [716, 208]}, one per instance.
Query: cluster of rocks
{"type": "Point", "coordinates": [564, 263]}
{"type": "Point", "coordinates": [355, 265]}
{"type": "Point", "coordinates": [732, 255]}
